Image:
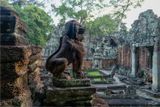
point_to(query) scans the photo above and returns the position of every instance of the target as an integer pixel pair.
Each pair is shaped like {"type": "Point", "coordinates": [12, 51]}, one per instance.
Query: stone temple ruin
{"type": "Point", "coordinates": [134, 80]}
{"type": "Point", "coordinates": [136, 54]}
{"type": "Point", "coordinates": [20, 63]}
{"type": "Point", "coordinates": [142, 55]}
{"type": "Point", "coordinates": [22, 83]}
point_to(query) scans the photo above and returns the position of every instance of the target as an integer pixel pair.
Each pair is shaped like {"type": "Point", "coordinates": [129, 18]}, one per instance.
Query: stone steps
{"type": "Point", "coordinates": [104, 87]}
{"type": "Point", "coordinates": [132, 103]}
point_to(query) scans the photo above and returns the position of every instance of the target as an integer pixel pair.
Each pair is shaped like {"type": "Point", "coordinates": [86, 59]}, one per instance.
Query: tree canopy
{"type": "Point", "coordinates": [39, 23]}
{"type": "Point", "coordinates": [102, 26]}
{"type": "Point", "coordinates": [82, 10]}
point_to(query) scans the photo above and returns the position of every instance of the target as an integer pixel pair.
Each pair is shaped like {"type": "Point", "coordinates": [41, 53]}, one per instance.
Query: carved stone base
{"type": "Point", "coordinates": [71, 83]}
{"type": "Point", "coordinates": [69, 93]}
{"type": "Point", "coordinates": [66, 96]}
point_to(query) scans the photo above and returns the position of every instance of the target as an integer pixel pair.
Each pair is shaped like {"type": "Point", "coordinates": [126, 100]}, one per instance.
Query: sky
{"type": "Point", "coordinates": [147, 4]}
{"type": "Point", "coordinates": [134, 13]}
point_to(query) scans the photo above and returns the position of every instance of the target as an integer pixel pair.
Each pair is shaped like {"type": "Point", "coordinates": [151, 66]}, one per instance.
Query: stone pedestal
{"type": "Point", "coordinates": [133, 51]}
{"type": "Point", "coordinates": [156, 67]}
{"type": "Point", "coordinates": [71, 83]}
{"type": "Point", "coordinates": [69, 93]}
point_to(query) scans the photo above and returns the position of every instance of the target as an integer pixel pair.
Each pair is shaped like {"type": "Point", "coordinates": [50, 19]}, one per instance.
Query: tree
{"type": "Point", "coordinates": [122, 6]}
{"type": "Point", "coordinates": [102, 26]}
{"type": "Point", "coordinates": [39, 23]}
{"type": "Point", "coordinates": [6, 4]}
{"type": "Point", "coordinates": [77, 9]}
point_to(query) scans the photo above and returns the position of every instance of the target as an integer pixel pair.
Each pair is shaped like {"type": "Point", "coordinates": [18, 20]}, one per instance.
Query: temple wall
{"type": "Point", "coordinates": [143, 55]}
{"type": "Point", "coordinates": [144, 61]}
{"type": "Point", "coordinates": [87, 64]}
{"type": "Point", "coordinates": [124, 56]}
{"type": "Point", "coordinates": [108, 63]}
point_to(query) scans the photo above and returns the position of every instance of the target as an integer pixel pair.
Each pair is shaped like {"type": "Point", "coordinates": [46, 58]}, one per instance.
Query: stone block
{"type": "Point", "coordinates": [11, 88]}
{"type": "Point", "coordinates": [13, 70]}
{"type": "Point", "coordinates": [33, 58]}
{"type": "Point", "coordinates": [139, 102]}
{"type": "Point", "coordinates": [18, 101]}
{"type": "Point", "coordinates": [5, 11]}
{"type": "Point", "coordinates": [34, 65]}
{"type": "Point", "coordinates": [36, 50]}
{"type": "Point", "coordinates": [103, 87]}
{"type": "Point", "coordinates": [60, 96]}
{"type": "Point", "coordinates": [151, 93]}
{"type": "Point", "coordinates": [14, 53]}
{"type": "Point", "coordinates": [86, 103]}
{"type": "Point", "coordinates": [12, 39]}
{"type": "Point", "coordinates": [7, 24]}
{"type": "Point", "coordinates": [35, 80]}
{"type": "Point", "coordinates": [7, 39]}
{"type": "Point", "coordinates": [71, 83]}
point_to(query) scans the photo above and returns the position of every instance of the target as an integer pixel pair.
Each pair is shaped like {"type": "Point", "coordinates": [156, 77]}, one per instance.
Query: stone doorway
{"type": "Point", "coordinates": [142, 59]}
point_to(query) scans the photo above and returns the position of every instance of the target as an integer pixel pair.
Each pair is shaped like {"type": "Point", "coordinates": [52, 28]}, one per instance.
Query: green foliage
{"type": "Point", "coordinates": [38, 22]}
{"type": "Point", "coordinates": [82, 10]}
{"type": "Point", "coordinates": [77, 9]}
{"type": "Point", "coordinates": [102, 26]}
{"type": "Point", "coordinates": [122, 6]}
{"type": "Point", "coordinates": [5, 3]}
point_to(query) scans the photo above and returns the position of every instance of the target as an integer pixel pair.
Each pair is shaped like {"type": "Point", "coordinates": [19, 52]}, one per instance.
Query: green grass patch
{"type": "Point", "coordinates": [94, 73]}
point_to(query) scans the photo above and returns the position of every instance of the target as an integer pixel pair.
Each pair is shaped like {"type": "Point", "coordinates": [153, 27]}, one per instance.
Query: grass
{"type": "Point", "coordinates": [94, 73]}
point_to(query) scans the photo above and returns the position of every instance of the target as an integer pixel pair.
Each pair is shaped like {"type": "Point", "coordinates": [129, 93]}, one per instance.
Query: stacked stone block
{"type": "Point", "coordinates": [35, 64]}
{"type": "Point", "coordinates": [77, 92]}
{"type": "Point", "coordinates": [14, 55]}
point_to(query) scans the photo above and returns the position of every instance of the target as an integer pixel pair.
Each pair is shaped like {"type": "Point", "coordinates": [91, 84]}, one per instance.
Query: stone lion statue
{"type": "Point", "coordinates": [70, 51]}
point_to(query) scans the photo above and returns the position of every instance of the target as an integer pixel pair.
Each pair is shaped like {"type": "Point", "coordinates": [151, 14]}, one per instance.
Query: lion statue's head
{"type": "Point", "coordinates": [74, 30]}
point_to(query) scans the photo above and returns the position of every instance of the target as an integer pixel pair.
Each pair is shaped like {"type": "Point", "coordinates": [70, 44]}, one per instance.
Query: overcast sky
{"type": "Point", "coordinates": [147, 4]}
{"type": "Point", "coordinates": [134, 13]}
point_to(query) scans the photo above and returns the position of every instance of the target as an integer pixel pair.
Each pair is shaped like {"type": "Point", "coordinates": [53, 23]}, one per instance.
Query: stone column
{"type": "Point", "coordinates": [133, 56]}
{"type": "Point", "coordinates": [100, 64]}
{"type": "Point", "coordinates": [156, 67]}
